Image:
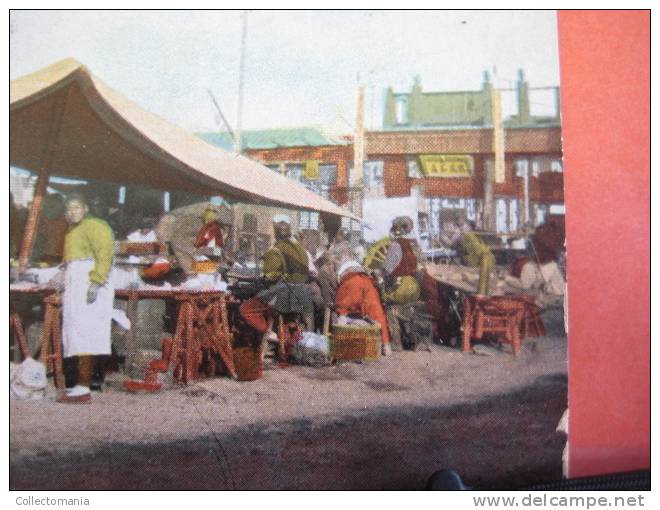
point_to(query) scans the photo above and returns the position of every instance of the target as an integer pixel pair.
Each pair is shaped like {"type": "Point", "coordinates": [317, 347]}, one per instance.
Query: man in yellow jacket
{"type": "Point", "coordinates": [476, 253]}
{"type": "Point", "coordinates": [88, 294]}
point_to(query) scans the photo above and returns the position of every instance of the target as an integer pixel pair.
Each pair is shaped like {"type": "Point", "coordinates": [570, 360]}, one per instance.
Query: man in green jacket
{"type": "Point", "coordinates": [88, 294]}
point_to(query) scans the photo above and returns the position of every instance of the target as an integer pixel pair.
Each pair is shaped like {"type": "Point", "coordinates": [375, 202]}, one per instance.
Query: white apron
{"type": "Point", "coordinates": [85, 328]}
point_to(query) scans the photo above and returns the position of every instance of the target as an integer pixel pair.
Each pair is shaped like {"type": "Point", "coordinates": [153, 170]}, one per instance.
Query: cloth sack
{"type": "Point", "coordinates": [312, 350]}
{"type": "Point", "coordinates": [27, 380]}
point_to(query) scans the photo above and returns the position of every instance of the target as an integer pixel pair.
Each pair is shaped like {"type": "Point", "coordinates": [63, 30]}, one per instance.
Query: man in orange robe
{"type": "Point", "coordinates": [357, 294]}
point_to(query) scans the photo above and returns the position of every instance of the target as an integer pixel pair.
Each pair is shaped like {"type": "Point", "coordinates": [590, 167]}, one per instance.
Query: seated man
{"type": "Point", "coordinates": [357, 294]}
{"type": "Point", "coordinates": [400, 270]}
{"type": "Point", "coordinates": [286, 269]}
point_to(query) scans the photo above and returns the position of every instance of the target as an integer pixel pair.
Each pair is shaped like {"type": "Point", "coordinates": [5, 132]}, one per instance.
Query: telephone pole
{"type": "Point", "coordinates": [239, 114]}
{"type": "Point", "coordinates": [358, 154]}
{"type": "Point", "coordinates": [495, 172]}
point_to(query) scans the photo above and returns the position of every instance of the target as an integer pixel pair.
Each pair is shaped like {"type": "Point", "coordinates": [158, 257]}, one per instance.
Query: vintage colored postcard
{"type": "Point", "coordinates": [286, 250]}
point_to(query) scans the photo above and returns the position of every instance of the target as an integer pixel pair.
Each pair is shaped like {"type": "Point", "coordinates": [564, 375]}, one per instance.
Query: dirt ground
{"type": "Point", "coordinates": [387, 424]}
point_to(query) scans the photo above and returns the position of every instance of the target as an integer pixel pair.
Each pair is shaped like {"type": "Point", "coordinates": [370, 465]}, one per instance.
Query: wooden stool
{"type": "Point", "coordinates": [532, 324]}
{"type": "Point", "coordinates": [288, 333]}
{"type": "Point", "coordinates": [51, 339]}
{"type": "Point", "coordinates": [500, 315]}
{"type": "Point", "coordinates": [202, 326]}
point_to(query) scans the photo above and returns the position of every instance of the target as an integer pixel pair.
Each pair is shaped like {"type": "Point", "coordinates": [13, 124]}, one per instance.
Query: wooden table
{"type": "Point", "coordinates": [202, 323]}
{"type": "Point", "coordinates": [494, 313]}
{"type": "Point", "coordinates": [503, 315]}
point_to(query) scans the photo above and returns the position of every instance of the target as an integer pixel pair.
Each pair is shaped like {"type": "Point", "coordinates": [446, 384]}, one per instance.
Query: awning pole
{"type": "Point", "coordinates": [29, 235]}
{"type": "Point", "coordinates": [32, 221]}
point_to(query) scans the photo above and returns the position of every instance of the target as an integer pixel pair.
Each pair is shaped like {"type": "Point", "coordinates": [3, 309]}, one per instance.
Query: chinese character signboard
{"type": "Point", "coordinates": [446, 165]}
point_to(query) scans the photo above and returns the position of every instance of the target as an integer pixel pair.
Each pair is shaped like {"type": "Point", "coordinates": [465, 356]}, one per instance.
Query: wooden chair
{"type": "Point", "coordinates": [289, 331]}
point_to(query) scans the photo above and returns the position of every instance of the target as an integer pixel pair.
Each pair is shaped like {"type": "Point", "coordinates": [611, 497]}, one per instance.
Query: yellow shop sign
{"type": "Point", "coordinates": [446, 165]}
{"type": "Point", "coordinates": [311, 170]}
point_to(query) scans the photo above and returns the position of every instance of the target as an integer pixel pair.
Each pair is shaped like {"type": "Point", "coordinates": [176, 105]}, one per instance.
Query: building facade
{"type": "Point", "coordinates": [433, 154]}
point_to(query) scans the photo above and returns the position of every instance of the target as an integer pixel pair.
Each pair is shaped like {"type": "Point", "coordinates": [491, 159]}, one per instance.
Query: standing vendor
{"type": "Point", "coordinates": [88, 294]}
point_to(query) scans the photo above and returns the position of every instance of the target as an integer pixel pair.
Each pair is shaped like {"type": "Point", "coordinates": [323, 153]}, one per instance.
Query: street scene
{"type": "Point", "coordinates": [246, 258]}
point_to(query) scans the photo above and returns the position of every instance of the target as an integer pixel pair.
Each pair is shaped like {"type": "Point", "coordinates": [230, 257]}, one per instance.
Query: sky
{"type": "Point", "coordinates": [301, 67]}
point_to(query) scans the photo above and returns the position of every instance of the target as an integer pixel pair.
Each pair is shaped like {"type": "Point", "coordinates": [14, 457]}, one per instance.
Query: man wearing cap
{"type": "Point", "coordinates": [88, 294]}
{"type": "Point", "coordinates": [210, 235]}
{"type": "Point", "coordinates": [357, 294]}
{"type": "Point", "coordinates": [400, 264]}
{"type": "Point", "coordinates": [286, 268]}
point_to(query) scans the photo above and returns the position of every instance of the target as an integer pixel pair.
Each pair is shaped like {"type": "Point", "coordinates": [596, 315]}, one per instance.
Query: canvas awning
{"type": "Point", "coordinates": [66, 122]}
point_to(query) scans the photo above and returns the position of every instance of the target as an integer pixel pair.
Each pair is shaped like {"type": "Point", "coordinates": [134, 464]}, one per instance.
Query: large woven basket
{"type": "Point", "coordinates": [349, 342]}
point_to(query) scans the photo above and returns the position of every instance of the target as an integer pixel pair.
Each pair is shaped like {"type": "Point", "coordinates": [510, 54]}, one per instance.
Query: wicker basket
{"type": "Point", "coordinates": [355, 342]}
{"type": "Point", "coordinates": [248, 364]}
{"type": "Point", "coordinates": [204, 266]}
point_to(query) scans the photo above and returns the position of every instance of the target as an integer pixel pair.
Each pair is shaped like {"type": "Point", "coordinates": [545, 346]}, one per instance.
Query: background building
{"type": "Point", "coordinates": [432, 154]}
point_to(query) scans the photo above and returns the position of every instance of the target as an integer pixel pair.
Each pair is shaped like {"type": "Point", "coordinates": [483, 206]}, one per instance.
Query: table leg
{"type": "Point", "coordinates": [57, 352]}
{"type": "Point", "coordinates": [224, 338]}
{"type": "Point", "coordinates": [131, 347]}
{"type": "Point", "coordinates": [467, 323]}
{"type": "Point", "coordinates": [178, 355]}
{"type": "Point", "coordinates": [191, 345]}
{"type": "Point", "coordinates": [19, 337]}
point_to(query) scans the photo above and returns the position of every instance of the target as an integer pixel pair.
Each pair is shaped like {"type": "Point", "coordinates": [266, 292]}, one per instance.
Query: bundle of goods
{"type": "Point", "coordinates": [312, 350]}
{"type": "Point", "coordinates": [27, 380]}
{"type": "Point", "coordinates": [355, 342]}
{"type": "Point", "coordinates": [156, 271]}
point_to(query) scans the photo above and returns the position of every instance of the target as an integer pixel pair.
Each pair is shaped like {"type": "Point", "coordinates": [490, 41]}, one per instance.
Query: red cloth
{"type": "Point", "coordinates": [408, 264]}
{"type": "Point", "coordinates": [207, 233]}
{"type": "Point", "coordinates": [256, 313]}
{"type": "Point", "coordinates": [357, 294]}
